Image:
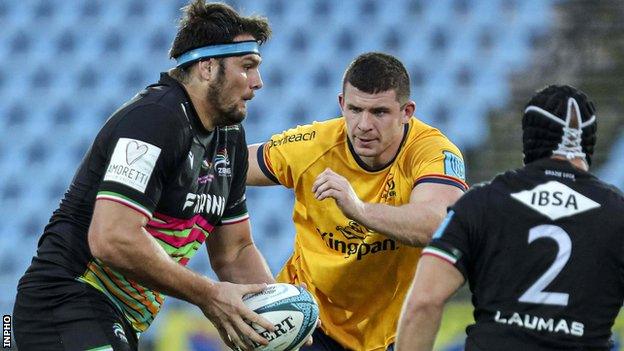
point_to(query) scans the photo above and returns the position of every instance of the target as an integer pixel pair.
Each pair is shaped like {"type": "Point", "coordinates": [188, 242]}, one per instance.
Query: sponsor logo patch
{"type": "Point", "coordinates": [388, 191]}
{"type": "Point", "coordinates": [206, 204]}
{"type": "Point", "coordinates": [293, 138]}
{"type": "Point", "coordinates": [222, 163]}
{"type": "Point", "coordinates": [132, 163]}
{"type": "Point", "coordinates": [355, 241]}
{"type": "Point", "coordinates": [454, 165]}
{"type": "Point", "coordinates": [555, 200]}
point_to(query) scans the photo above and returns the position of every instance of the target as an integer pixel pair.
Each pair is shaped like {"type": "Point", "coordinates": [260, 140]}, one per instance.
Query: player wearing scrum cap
{"type": "Point", "coordinates": [541, 247]}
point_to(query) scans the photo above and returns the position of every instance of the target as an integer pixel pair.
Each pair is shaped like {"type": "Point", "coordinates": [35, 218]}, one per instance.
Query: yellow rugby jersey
{"type": "Point", "coordinates": [358, 277]}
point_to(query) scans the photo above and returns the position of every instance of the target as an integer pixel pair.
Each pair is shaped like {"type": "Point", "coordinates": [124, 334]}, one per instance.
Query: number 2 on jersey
{"type": "Point", "coordinates": [536, 293]}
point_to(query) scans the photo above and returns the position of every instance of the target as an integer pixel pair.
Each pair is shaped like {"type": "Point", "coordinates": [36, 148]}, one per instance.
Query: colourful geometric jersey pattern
{"type": "Point", "coordinates": [179, 238]}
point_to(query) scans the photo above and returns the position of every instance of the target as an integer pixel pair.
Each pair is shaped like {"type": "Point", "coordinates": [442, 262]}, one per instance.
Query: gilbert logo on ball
{"type": "Point", "coordinates": [291, 309]}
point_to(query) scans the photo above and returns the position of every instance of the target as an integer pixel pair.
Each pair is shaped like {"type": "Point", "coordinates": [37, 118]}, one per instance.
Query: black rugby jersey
{"type": "Point", "coordinates": [542, 248]}
{"type": "Point", "coordinates": [152, 155]}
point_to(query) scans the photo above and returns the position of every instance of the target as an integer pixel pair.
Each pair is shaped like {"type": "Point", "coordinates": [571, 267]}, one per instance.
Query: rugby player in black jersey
{"type": "Point", "coordinates": [542, 247]}
{"type": "Point", "coordinates": [165, 173]}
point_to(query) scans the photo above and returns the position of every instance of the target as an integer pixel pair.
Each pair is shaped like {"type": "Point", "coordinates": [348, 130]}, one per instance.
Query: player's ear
{"type": "Point", "coordinates": [341, 101]}
{"type": "Point", "coordinates": [408, 110]}
{"type": "Point", "coordinates": [205, 69]}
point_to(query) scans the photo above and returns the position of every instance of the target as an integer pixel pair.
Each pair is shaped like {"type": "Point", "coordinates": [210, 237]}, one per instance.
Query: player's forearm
{"type": "Point", "coordinates": [139, 257]}
{"type": "Point", "coordinates": [247, 267]}
{"type": "Point", "coordinates": [418, 327]}
{"type": "Point", "coordinates": [412, 224]}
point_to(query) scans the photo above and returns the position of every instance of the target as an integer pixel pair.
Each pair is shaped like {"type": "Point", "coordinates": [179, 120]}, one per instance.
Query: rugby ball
{"type": "Point", "coordinates": [292, 310]}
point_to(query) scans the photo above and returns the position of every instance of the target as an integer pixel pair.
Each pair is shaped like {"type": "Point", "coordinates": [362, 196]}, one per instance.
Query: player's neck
{"type": "Point", "coordinates": [576, 162]}
{"type": "Point", "coordinates": [385, 157]}
{"type": "Point", "coordinates": [201, 105]}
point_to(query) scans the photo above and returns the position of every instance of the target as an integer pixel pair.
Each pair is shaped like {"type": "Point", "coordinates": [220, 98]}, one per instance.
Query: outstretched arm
{"type": "Point", "coordinates": [435, 282]}
{"type": "Point", "coordinates": [413, 223]}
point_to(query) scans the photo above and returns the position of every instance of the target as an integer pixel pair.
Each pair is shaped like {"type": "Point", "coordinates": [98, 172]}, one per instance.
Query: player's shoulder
{"type": "Point", "coordinates": [601, 189]}
{"type": "Point", "coordinates": [316, 137]}
{"type": "Point", "coordinates": [505, 183]}
{"type": "Point", "coordinates": [149, 118]}
{"type": "Point", "coordinates": [606, 187]}
{"type": "Point", "coordinates": [151, 110]}
{"type": "Point", "coordinates": [427, 151]}
{"type": "Point", "coordinates": [477, 193]}
{"type": "Point", "coordinates": [167, 93]}
{"type": "Point", "coordinates": [424, 138]}
{"type": "Point", "coordinates": [145, 122]}
{"type": "Point", "coordinates": [487, 191]}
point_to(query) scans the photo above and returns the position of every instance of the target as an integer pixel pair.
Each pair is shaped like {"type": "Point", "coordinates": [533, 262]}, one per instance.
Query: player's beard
{"type": "Point", "coordinates": [224, 115]}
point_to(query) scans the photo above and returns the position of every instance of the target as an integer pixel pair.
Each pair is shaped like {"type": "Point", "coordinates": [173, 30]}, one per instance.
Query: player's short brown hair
{"type": "Point", "coordinates": [375, 72]}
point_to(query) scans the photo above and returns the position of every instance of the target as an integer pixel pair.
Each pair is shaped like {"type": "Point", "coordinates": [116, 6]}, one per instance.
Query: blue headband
{"type": "Point", "coordinates": [220, 50]}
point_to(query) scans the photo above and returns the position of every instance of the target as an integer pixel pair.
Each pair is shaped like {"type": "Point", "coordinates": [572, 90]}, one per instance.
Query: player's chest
{"type": "Point", "coordinates": [201, 185]}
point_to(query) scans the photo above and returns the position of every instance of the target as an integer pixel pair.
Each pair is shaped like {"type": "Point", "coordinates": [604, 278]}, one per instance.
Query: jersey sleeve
{"type": "Point", "coordinates": [279, 157]}
{"type": "Point", "coordinates": [142, 149]}
{"type": "Point", "coordinates": [439, 161]}
{"type": "Point", "coordinates": [457, 238]}
{"type": "Point", "coordinates": [236, 207]}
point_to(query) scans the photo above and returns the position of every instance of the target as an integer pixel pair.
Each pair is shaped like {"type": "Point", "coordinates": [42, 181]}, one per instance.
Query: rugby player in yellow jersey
{"type": "Point", "coordinates": [370, 189]}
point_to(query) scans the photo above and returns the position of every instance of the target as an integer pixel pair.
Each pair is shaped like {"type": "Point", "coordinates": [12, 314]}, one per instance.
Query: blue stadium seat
{"type": "Point", "coordinates": [4, 10]}
{"type": "Point", "coordinates": [20, 43]}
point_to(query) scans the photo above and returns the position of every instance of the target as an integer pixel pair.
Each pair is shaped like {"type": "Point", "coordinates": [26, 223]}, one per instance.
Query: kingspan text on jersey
{"type": "Point", "coordinates": [356, 247]}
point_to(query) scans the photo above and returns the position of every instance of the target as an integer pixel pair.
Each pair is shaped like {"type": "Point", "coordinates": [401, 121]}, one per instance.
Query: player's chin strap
{"type": "Point", "coordinates": [238, 48]}
{"type": "Point", "coordinates": [570, 146]}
